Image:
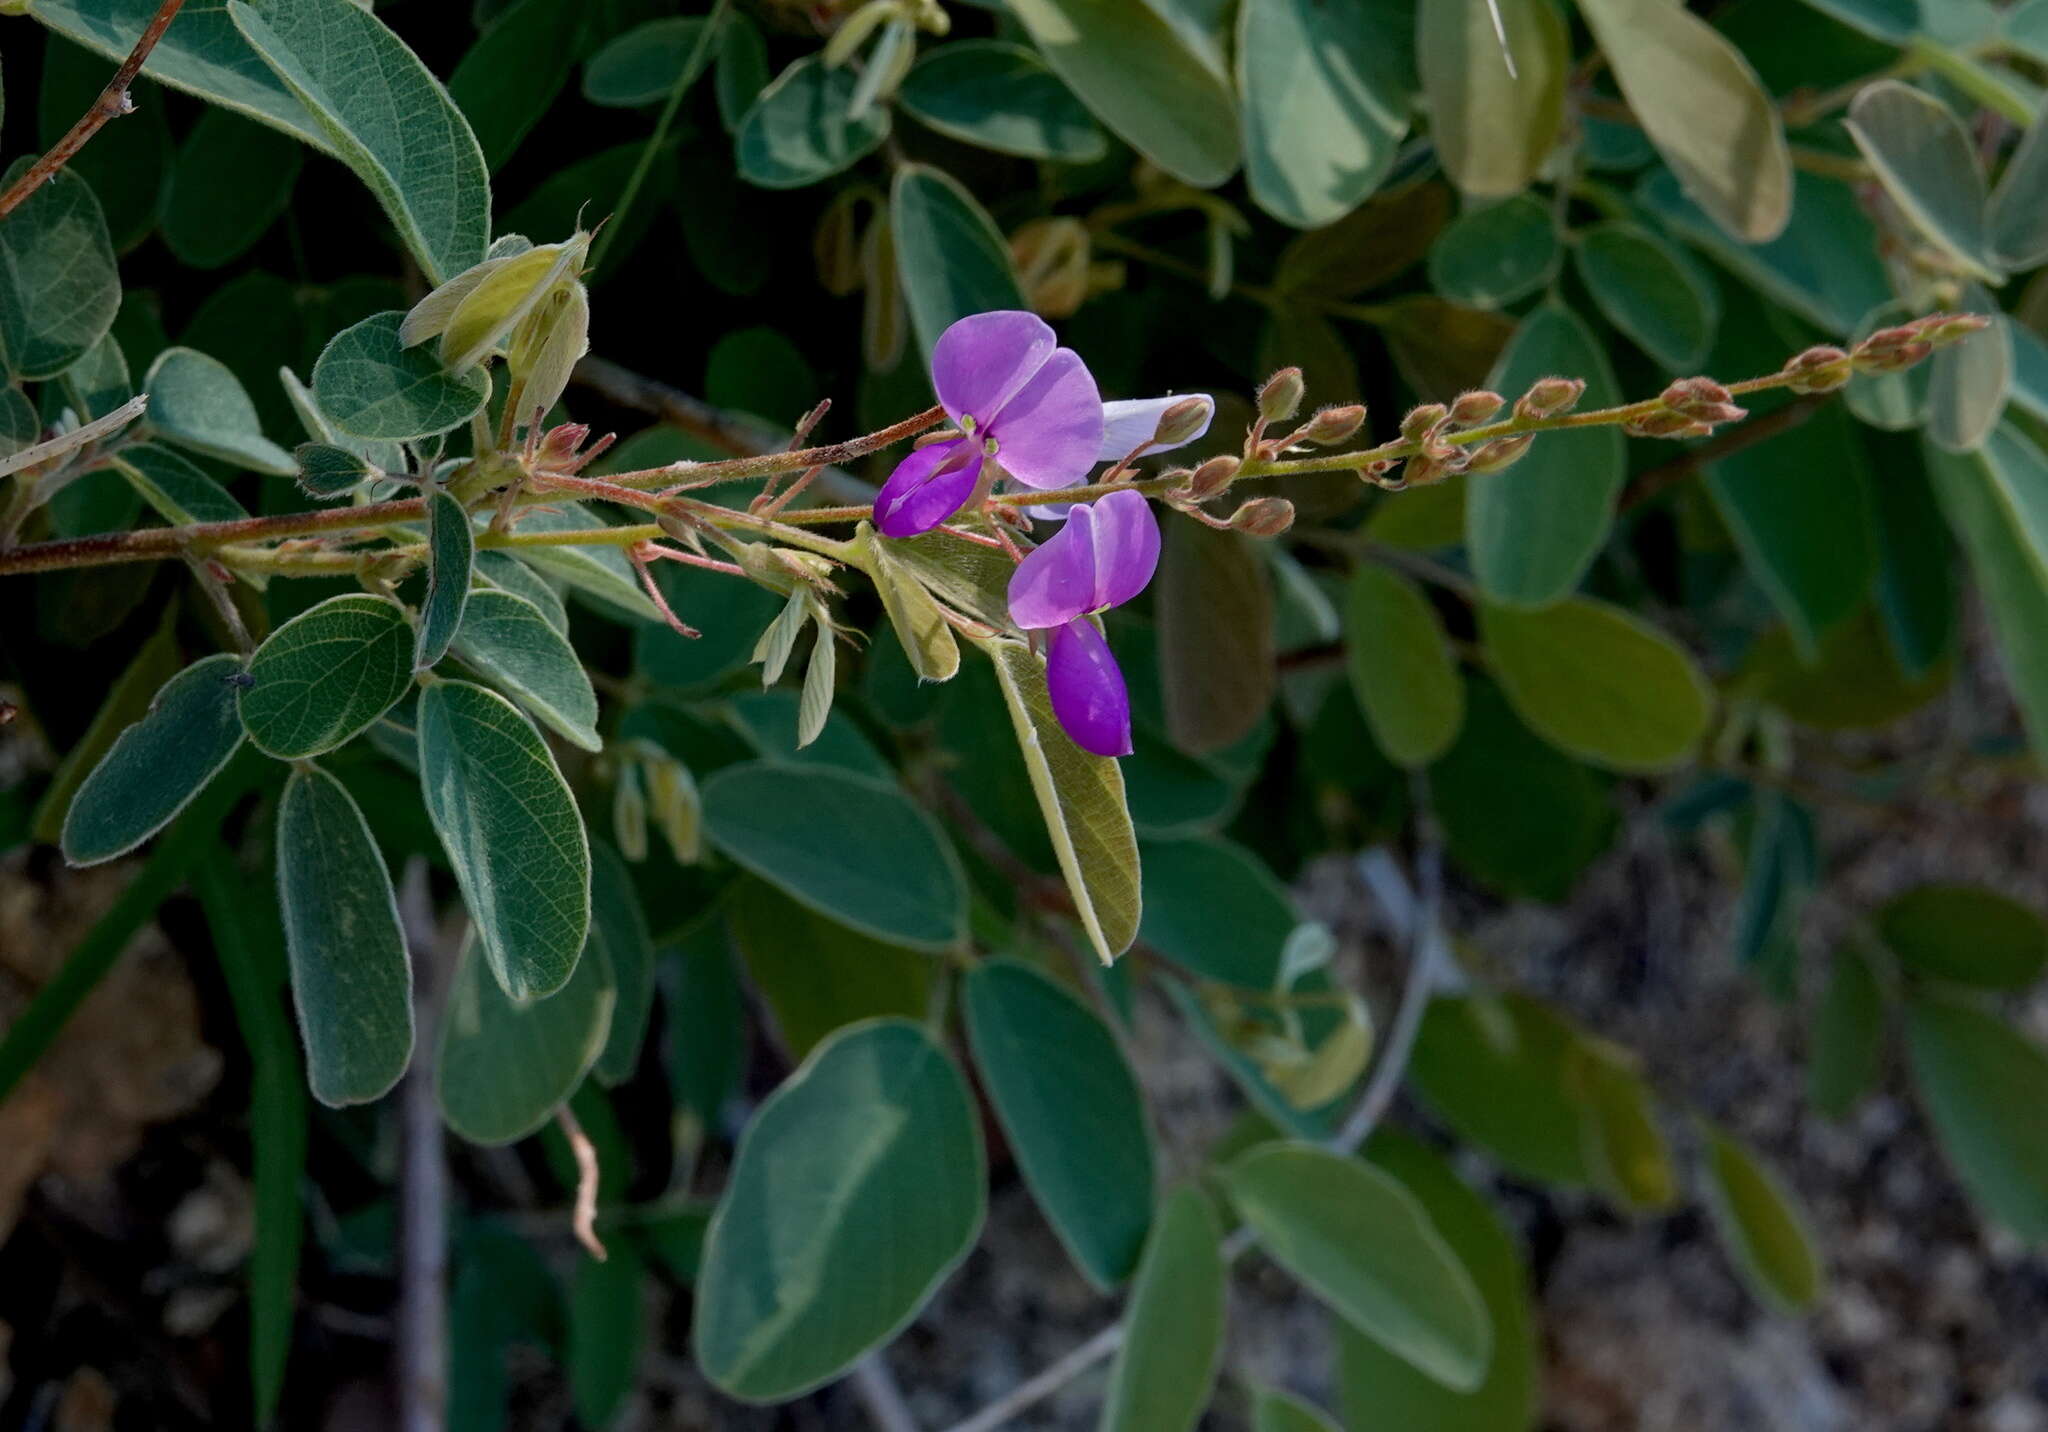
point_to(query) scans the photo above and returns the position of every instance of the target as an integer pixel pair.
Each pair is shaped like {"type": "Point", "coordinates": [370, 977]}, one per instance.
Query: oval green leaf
{"type": "Point", "coordinates": [1140, 76]}
{"type": "Point", "coordinates": [1649, 292]}
{"type": "Point", "coordinates": [504, 1065]}
{"type": "Point", "coordinates": [1984, 1085]}
{"type": "Point", "coordinates": [1361, 1242]}
{"type": "Point", "coordinates": [1071, 1110]}
{"type": "Point", "coordinates": [1967, 934]}
{"type": "Point", "coordinates": [1490, 257]}
{"type": "Point", "coordinates": [878, 1126]}
{"type": "Point", "coordinates": [1600, 683]}
{"type": "Point", "coordinates": [1492, 129]}
{"type": "Point", "coordinates": [326, 674]}
{"type": "Point", "coordinates": [351, 977]}
{"type": "Point", "coordinates": [1535, 528]}
{"type": "Point", "coordinates": [1847, 1041]}
{"type": "Point", "coordinates": [816, 974]}
{"type": "Point", "coordinates": [797, 130]}
{"type": "Point", "coordinates": [512, 833]}
{"type": "Point", "coordinates": [1215, 908]}
{"type": "Point", "coordinates": [1763, 1226]}
{"type": "Point", "coordinates": [645, 63]}
{"type": "Point", "coordinates": [1498, 1071]}
{"type": "Point", "coordinates": [197, 402]}
{"type": "Point", "coordinates": [618, 931]}
{"type": "Point", "coordinates": [511, 641]}
{"type": "Point", "coordinates": [371, 386]}
{"type": "Point", "coordinates": [177, 490]}
{"type": "Point", "coordinates": [451, 556]}
{"type": "Point", "coordinates": [212, 213]}
{"type": "Point", "coordinates": [59, 288]}
{"type": "Point", "coordinates": [1925, 160]}
{"type": "Point", "coordinates": [1002, 97]}
{"type": "Point", "coordinates": [950, 255]}
{"type": "Point", "coordinates": [850, 847]}
{"type": "Point", "coordinates": [1402, 669]}
{"type": "Point", "coordinates": [158, 764]}
{"type": "Point", "coordinates": [1173, 1330]}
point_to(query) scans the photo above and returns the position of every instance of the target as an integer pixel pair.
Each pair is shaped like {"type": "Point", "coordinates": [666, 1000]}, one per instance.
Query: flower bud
{"type": "Point", "coordinates": [1820, 369]}
{"type": "Point", "coordinates": [1666, 424]}
{"type": "Point", "coordinates": [1052, 258]}
{"type": "Point", "coordinates": [1500, 454]}
{"type": "Point", "coordinates": [559, 446]}
{"type": "Point", "coordinates": [1470, 409]}
{"type": "Point", "coordinates": [1334, 425]}
{"type": "Point", "coordinates": [1280, 398]}
{"type": "Point", "coordinates": [1212, 477]}
{"type": "Point", "coordinates": [1183, 422]}
{"type": "Point", "coordinates": [1550, 398]}
{"type": "Point", "coordinates": [1425, 469]}
{"type": "Point", "coordinates": [1420, 423]}
{"type": "Point", "coordinates": [835, 246]}
{"type": "Point", "coordinates": [1264, 517]}
{"type": "Point", "coordinates": [1941, 329]}
{"type": "Point", "coordinates": [1890, 349]}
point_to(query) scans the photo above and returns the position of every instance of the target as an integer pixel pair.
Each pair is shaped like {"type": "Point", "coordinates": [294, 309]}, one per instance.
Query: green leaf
{"type": "Point", "coordinates": [533, 39]}
{"type": "Point", "coordinates": [1649, 292]}
{"type": "Point", "coordinates": [158, 764]}
{"type": "Point", "coordinates": [277, 1126]}
{"type": "Point", "coordinates": [1375, 242]}
{"type": "Point", "coordinates": [1847, 1041]}
{"type": "Point", "coordinates": [371, 386]}
{"type": "Point", "coordinates": [512, 833]}
{"type": "Point", "coordinates": [1216, 909]}
{"type": "Point", "coordinates": [949, 252]}
{"type": "Point", "coordinates": [1071, 1110]}
{"type": "Point", "coordinates": [1702, 106]}
{"type": "Point", "coordinates": [742, 68]}
{"type": "Point", "coordinates": [899, 882]}
{"type": "Point", "coordinates": [213, 213]}
{"type": "Point", "coordinates": [798, 132]}
{"type": "Point", "coordinates": [1535, 845]}
{"type": "Point", "coordinates": [1798, 507]}
{"type": "Point", "coordinates": [1173, 1335]}
{"type": "Point", "coordinates": [1781, 857]}
{"type": "Point", "coordinates": [1967, 934]}
{"type": "Point", "coordinates": [1493, 129]}
{"type": "Point", "coordinates": [505, 1065]}
{"type": "Point", "coordinates": [879, 1128]}
{"type": "Point", "coordinates": [175, 489]}
{"type": "Point", "coordinates": [1983, 1084]}
{"type": "Point", "coordinates": [1402, 669]}
{"type": "Point", "coordinates": [1632, 1155]}
{"type": "Point", "coordinates": [351, 978]}
{"type": "Point", "coordinates": [1762, 1225]}
{"type": "Point", "coordinates": [1324, 103]}
{"type": "Point", "coordinates": [59, 290]}
{"type": "Point", "coordinates": [451, 556]}
{"type": "Point", "coordinates": [326, 674]}
{"type": "Point", "coordinates": [1490, 257]}
{"type": "Point", "coordinates": [605, 1331]}
{"type": "Point", "coordinates": [919, 623]}
{"type": "Point", "coordinates": [2019, 206]}
{"type": "Point", "coordinates": [1276, 1411]}
{"type": "Point", "coordinates": [1217, 665]}
{"type": "Point", "coordinates": [386, 117]}
{"type": "Point", "coordinates": [816, 974]}
{"type": "Point", "coordinates": [1853, 683]}
{"type": "Point", "coordinates": [510, 641]}
{"type": "Point", "coordinates": [127, 699]}
{"type": "Point", "coordinates": [1968, 383]}
{"type": "Point", "coordinates": [1535, 528]}
{"type": "Point", "coordinates": [506, 573]}
{"type": "Point", "coordinates": [619, 927]}
{"type": "Point", "coordinates": [1002, 97]}
{"type": "Point", "coordinates": [972, 579]}
{"type": "Point", "coordinates": [196, 402]}
{"type": "Point", "coordinates": [1924, 158]}
{"type": "Point", "coordinates": [1600, 683]}
{"type": "Point", "coordinates": [1498, 1071]}
{"type": "Point", "coordinates": [327, 471]}
{"type": "Point", "coordinates": [642, 65]}
{"type": "Point", "coordinates": [1996, 499]}
{"type": "Point", "coordinates": [1081, 799]}
{"type": "Point", "coordinates": [1141, 77]}
{"type": "Point", "coordinates": [1374, 1386]}
{"type": "Point", "coordinates": [1359, 1241]}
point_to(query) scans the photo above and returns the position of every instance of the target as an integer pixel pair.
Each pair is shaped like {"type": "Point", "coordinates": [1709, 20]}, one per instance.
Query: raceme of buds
{"type": "Point", "coordinates": [1211, 478]}
{"type": "Point", "coordinates": [1820, 369]}
{"type": "Point", "coordinates": [1473, 408]}
{"type": "Point", "coordinates": [1550, 398]}
{"type": "Point", "coordinates": [1264, 517]}
{"type": "Point", "coordinates": [1702, 400]}
{"type": "Point", "coordinates": [1333, 425]}
{"type": "Point", "coordinates": [1280, 398]}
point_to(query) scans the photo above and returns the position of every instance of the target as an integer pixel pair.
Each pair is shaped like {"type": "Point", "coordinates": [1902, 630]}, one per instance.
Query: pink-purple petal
{"type": "Point", "coordinates": [927, 487]}
{"type": "Point", "coordinates": [1125, 537]}
{"type": "Point", "coordinates": [985, 359]}
{"type": "Point", "coordinates": [1056, 583]}
{"type": "Point", "coordinates": [1047, 433]}
{"type": "Point", "coordinates": [1130, 421]}
{"type": "Point", "coordinates": [1087, 689]}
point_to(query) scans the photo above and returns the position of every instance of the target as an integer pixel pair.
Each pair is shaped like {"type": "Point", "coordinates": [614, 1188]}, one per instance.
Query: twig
{"type": "Point", "coordinates": [422, 1392]}
{"type": "Point", "coordinates": [584, 1220]}
{"type": "Point", "coordinates": [1035, 1390]}
{"type": "Point", "coordinates": [876, 1388]}
{"type": "Point", "coordinates": [687, 76]}
{"type": "Point", "coordinates": [215, 585]}
{"type": "Point", "coordinates": [113, 102]}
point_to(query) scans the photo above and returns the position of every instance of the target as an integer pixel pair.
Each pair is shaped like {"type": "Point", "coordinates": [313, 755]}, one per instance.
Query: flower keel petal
{"type": "Point", "coordinates": [927, 487]}
{"type": "Point", "coordinates": [1087, 689]}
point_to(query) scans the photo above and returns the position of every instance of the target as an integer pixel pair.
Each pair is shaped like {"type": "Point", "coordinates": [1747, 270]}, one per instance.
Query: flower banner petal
{"type": "Point", "coordinates": [985, 359]}
{"type": "Point", "coordinates": [1046, 435]}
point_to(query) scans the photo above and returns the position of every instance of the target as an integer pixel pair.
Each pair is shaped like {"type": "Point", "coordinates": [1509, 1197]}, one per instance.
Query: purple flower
{"type": "Point", "coordinates": [1103, 556]}
{"type": "Point", "coordinates": [1020, 402]}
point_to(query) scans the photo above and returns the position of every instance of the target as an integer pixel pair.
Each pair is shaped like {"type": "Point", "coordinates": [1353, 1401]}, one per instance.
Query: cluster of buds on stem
{"type": "Point", "coordinates": [1431, 428]}
{"type": "Point", "coordinates": [1280, 399]}
{"type": "Point", "coordinates": [1689, 408]}
{"type": "Point", "coordinates": [1824, 368]}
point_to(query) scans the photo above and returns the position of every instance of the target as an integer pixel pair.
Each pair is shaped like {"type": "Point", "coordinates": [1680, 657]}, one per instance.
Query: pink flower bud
{"type": "Point", "coordinates": [1666, 424]}
{"type": "Point", "coordinates": [1941, 329]}
{"type": "Point", "coordinates": [1421, 423]}
{"type": "Point", "coordinates": [1500, 454]}
{"type": "Point", "coordinates": [1890, 349]}
{"type": "Point", "coordinates": [1280, 398]}
{"type": "Point", "coordinates": [1550, 398]}
{"type": "Point", "coordinates": [1185, 421]}
{"type": "Point", "coordinates": [1820, 369]}
{"type": "Point", "coordinates": [1212, 477]}
{"type": "Point", "coordinates": [1478, 406]}
{"type": "Point", "coordinates": [1334, 425]}
{"type": "Point", "coordinates": [1264, 517]}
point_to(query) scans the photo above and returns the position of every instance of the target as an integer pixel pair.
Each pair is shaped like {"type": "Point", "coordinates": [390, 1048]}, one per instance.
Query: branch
{"type": "Point", "coordinates": [422, 1345]}
{"type": "Point", "coordinates": [113, 101]}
